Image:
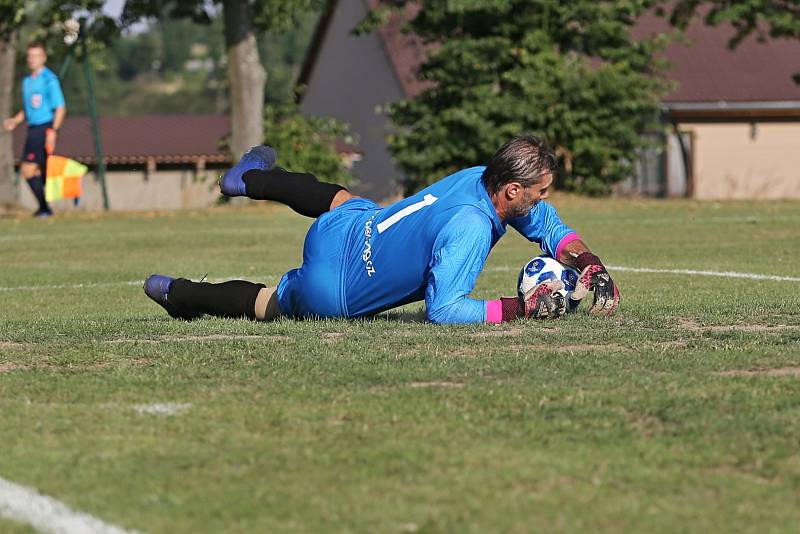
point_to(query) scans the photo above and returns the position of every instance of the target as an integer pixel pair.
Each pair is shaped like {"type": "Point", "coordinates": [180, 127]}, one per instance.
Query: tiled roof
{"type": "Point", "coordinates": [134, 140]}
{"type": "Point", "coordinates": [707, 70]}
{"type": "Point", "coordinates": [405, 50]}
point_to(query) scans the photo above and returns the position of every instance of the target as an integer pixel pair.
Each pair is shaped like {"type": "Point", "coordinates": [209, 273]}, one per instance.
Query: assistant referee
{"type": "Point", "coordinates": [44, 110]}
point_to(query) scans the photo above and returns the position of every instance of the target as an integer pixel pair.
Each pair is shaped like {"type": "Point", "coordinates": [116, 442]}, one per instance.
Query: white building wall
{"type": "Point", "coordinates": [138, 190]}
{"type": "Point", "coordinates": [746, 160]}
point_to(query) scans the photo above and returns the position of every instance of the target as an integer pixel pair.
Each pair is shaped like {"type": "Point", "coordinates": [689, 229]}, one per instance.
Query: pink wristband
{"type": "Point", "coordinates": [494, 311]}
{"type": "Point", "coordinates": [566, 240]}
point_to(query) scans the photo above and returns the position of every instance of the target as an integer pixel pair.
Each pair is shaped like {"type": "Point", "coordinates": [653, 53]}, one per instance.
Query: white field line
{"type": "Point", "coordinates": [723, 274]}
{"type": "Point", "coordinates": [76, 235]}
{"type": "Point", "coordinates": [693, 272]}
{"type": "Point", "coordinates": [45, 514]}
{"type": "Point", "coordinates": [504, 268]}
{"type": "Point", "coordinates": [71, 286]}
{"type": "Point", "coordinates": [163, 408]}
{"type": "Point", "coordinates": [123, 283]}
{"type": "Point", "coordinates": [751, 219]}
{"type": "Point", "coordinates": [21, 237]}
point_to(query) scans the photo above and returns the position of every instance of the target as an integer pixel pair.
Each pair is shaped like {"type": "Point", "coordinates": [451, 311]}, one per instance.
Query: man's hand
{"type": "Point", "coordinates": [544, 301]}
{"type": "Point", "coordinates": [10, 124]}
{"type": "Point", "coordinates": [594, 277]}
{"type": "Point", "coordinates": [50, 141]}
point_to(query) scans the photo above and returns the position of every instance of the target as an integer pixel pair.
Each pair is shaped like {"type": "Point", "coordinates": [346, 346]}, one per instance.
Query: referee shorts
{"type": "Point", "coordinates": [34, 149]}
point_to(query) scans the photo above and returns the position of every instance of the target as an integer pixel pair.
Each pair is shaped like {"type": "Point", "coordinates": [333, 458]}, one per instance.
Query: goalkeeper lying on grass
{"type": "Point", "coordinates": [360, 259]}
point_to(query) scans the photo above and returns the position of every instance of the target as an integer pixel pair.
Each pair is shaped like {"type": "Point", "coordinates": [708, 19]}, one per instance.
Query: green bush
{"type": "Point", "coordinates": [307, 144]}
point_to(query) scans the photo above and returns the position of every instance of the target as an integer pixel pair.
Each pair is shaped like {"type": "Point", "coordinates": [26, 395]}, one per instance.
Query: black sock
{"type": "Point", "coordinates": [36, 183]}
{"type": "Point", "coordinates": [236, 298]}
{"type": "Point", "coordinates": [299, 190]}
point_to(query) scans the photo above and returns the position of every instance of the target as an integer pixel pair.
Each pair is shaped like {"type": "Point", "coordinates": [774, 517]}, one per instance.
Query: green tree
{"type": "Point", "coordinates": [243, 19]}
{"type": "Point", "coordinates": [566, 70]}
{"type": "Point", "coordinates": [765, 18]}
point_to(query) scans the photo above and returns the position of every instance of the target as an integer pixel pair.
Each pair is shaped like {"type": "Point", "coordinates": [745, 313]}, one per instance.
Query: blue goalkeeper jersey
{"type": "Point", "coordinates": [433, 246]}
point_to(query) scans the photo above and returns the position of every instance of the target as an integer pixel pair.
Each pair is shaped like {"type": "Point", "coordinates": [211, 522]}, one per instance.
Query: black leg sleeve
{"type": "Point", "coordinates": [235, 299]}
{"type": "Point", "coordinates": [299, 190]}
{"type": "Point", "coordinates": [36, 183]}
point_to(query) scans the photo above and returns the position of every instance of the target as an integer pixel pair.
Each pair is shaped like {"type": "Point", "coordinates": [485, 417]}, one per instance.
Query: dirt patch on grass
{"type": "Point", "coordinates": [610, 347]}
{"type": "Point", "coordinates": [465, 353]}
{"type": "Point", "coordinates": [746, 473]}
{"type": "Point", "coordinates": [331, 337]}
{"type": "Point", "coordinates": [497, 333]}
{"type": "Point", "coordinates": [210, 337]}
{"type": "Point", "coordinates": [9, 367]}
{"type": "Point", "coordinates": [9, 345]}
{"type": "Point", "coordinates": [422, 384]}
{"type": "Point", "coordinates": [693, 326]}
{"type": "Point", "coordinates": [435, 384]}
{"type": "Point", "coordinates": [780, 371]}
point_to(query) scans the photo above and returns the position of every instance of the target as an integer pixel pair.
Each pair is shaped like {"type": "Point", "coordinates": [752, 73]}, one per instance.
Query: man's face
{"type": "Point", "coordinates": [36, 58]}
{"type": "Point", "coordinates": [530, 196]}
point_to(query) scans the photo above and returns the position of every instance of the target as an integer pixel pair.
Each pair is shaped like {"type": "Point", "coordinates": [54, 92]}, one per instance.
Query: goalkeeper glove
{"type": "Point", "coordinates": [594, 277]}
{"type": "Point", "coordinates": [542, 301]}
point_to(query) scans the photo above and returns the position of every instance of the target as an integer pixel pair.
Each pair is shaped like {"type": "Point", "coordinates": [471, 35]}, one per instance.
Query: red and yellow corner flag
{"type": "Point", "coordinates": [63, 178]}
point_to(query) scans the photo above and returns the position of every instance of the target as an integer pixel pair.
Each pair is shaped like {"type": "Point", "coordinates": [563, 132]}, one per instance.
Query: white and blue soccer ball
{"type": "Point", "coordinates": [544, 269]}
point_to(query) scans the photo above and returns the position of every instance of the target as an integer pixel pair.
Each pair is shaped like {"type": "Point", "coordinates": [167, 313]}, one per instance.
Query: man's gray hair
{"type": "Point", "coordinates": [524, 159]}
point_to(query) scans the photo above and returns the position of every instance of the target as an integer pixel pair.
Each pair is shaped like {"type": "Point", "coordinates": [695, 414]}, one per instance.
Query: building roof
{"type": "Point", "coordinates": [709, 74]}
{"type": "Point", "coordinates": [708, 71]}
{"type": "Point", "coordinates": [405, 51]}
{"type": "Point", "coordinates": [139, 139]}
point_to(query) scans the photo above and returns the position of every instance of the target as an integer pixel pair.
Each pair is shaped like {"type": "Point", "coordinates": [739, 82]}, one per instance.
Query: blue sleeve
{"type": "Point", "coordinates": [55, 94]}
{"type": "Point", "coordinates": [458, 257]}
{"type": "Point", "coordinates": [543, 226]}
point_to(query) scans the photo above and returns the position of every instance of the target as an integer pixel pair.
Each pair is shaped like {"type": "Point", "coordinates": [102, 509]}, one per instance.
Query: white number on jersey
{"type": "Point", "coordinates": [405, 212]}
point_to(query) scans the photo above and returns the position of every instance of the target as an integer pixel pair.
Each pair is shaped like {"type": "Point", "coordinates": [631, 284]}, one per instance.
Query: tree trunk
{"type": "Point", "coordinates": [8, 187]}
{"type": "Point", "coordinates": [247, 78]}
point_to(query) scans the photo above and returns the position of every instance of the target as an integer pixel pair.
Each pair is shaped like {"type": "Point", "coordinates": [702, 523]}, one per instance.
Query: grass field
{"type": "Point", "coordinates": [679, 414]}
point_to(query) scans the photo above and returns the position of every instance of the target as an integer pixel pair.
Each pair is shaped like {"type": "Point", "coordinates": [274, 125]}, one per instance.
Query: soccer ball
{"type": "Point", "coordinates": [543, 269]}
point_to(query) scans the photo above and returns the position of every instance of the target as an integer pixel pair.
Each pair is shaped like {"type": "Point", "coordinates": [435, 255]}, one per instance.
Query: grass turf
{"type": "Point", "coordinates": [640, 422]}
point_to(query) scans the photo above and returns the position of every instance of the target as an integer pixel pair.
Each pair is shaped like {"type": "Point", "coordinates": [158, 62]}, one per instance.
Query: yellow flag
{"type": "Point", "coordinates": [64, 177]}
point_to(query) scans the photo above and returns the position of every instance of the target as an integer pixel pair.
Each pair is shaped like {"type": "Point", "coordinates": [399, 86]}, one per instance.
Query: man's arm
{"type": "Point", "coordinates": [12, 122]}
{"type": "Point", "coordinates": [57, 98]}
{"type": "Point", "coordinates": [459, 255]}
{"type": "Point", "coordinates": [58, 120]}
{"type": "Point", "coordinates": [52, 133]}
{"type": "Point", "coordinates": [543, 226]}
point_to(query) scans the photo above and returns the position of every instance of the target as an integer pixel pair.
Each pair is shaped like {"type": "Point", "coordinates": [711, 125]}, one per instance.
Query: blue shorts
{"type": "Point", "coordinates": [316, 289]}
{"type": "Point", "coordinates": [34, 149]}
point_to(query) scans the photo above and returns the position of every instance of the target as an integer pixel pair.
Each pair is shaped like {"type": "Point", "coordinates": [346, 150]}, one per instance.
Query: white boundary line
{"type": "Point", "coordinates": [693, 272]}
{"type": "Point", "coordinates": [26, 505]}
{"type": "Point", "coordinates": [723, 274]}
{"type": "Point", "coordinates": [71, 286]}
{"type": "Point", "coordinates": [123, 283]}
